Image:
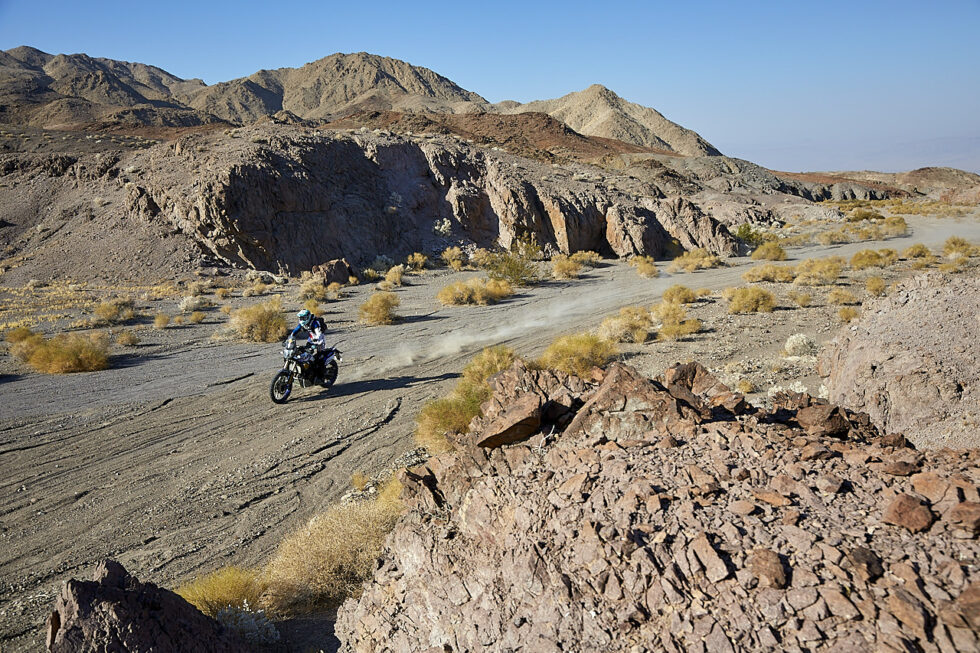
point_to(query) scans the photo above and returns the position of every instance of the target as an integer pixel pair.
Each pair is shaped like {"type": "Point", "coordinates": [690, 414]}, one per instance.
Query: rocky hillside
{"type": "Point", "coordinates": [597, 111]}
{"type": "Point", "coordinates": [638, 514]}
{"type": "Point", "coordinates": [279, 197]}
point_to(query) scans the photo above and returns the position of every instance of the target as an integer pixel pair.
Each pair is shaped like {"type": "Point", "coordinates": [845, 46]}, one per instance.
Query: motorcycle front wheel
{"type": "Point", "coordinates": [281, 387]}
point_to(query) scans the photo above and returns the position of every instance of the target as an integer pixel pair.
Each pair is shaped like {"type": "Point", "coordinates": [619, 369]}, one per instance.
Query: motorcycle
{"type": "Point", "coordinates": [303, 364]}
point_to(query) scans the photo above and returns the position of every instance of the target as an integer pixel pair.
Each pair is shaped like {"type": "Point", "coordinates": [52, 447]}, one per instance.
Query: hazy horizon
{"type": "Point", "coordinates": [884, 86]}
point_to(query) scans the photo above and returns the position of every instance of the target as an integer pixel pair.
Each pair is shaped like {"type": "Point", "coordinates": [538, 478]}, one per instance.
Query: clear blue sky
{"type": "Point", "coordinates": [791, 85]}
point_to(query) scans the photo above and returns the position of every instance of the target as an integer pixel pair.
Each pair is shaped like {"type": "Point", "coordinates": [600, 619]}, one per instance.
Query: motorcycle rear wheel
{"type": "Point", "coordinates": [330, 375]}
{"type": "Point", "coordinates": [281, 387]}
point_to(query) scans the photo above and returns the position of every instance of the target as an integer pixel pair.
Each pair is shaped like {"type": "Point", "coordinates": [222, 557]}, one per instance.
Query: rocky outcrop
{"type": "Point", "coordinates": [668, 514]}
{"type": "Point", "coordinates": [910, 363]}
{"type": "Point", "coordinates": [116, 612]}
{"type": "Point", "coordinates": [281, 198]}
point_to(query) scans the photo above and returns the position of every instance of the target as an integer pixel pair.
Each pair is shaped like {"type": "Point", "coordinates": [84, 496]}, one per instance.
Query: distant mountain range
{"type": "Point", "coordinates": [77, 91]}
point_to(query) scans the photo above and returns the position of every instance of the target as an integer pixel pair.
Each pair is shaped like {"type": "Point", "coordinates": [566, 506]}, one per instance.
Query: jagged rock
{"type": "Point", "coordinates": [516, 423]}
{"type": "Point", "coordinates": [908, 512]}
{"type": "Point", "coordinates": [966, 515]}
{"type": "Point", "coordinates": [335, 271]}
{"type": "Point", "coordinates": [116, 612]}
{"type": "Point", "coordinates": [591, 536]}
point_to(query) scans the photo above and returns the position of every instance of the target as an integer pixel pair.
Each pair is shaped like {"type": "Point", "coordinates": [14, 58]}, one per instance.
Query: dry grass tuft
{"type": "Point", "coordinates": [394, 274]}
{"type": "Point", "coordinates": [260, 322]}
{"type": "Point", "coordinates": [161, 320]}
{"type": "Point", "coordinates": [956, 246]}
{"type": "Point", "coordinates": [802, 299]}
{"type": "Point", "coordinates": [577, 354]}
{"type": "Point", "coordinates": [841, 297]}
{"type": "Point", "coordinates": [563, 267]}
{"type": "Point", "coordinates": [327, 560]}
{"type": "Point", "coordinates": [379, 309]}
{"type": "Point", "coordinates": [749, 300]}
{"type": "Point", "coordinates": [631, 325]}
{"type": "Point", "coordinates": [587, 259]}
{"type": "Point", "coordinates": [417, 261]}
{"type": "Point", "coordinates": [847, 314]}
{"type": "Point", "coordinates": [196, 317]}
{"type": "Point", "coordinates": [875, 286]}
{"type": "Point", "coordinates": [453, 413]}
{"type": "Point", "coordinates": [645, 266]}
{"type": "Point", "coordinates": [895, 226]}
{"type": "Point", "coordinates": [917, 251]}
{"type": "Point", "coordinates": [62, 355]}
{"type": "Point", "coordinates": [452, 257]}
{"type": "Point", "coordinates": [745, 386]}
{"type": "Point", "coordinates": [228, 587]}
{"type": "Point", "coordinates": [769, 251]}
{"type": "Point", "coordinates": [312, 288]}
{"type": "Point", "coordinates": [475, 291]}
{"type": "Point", "coordinates": [115, 311]}
{"type": "Point", "coordinates": [678, 294]}
{"type": "Point", "coordinates": [385, 286]}
{"type": "Point", "coordinates": [674, 323]}
{"type": "Point", "coordinates": [256, 289]}
{"type": "Point", "coordinates": [770, 272]}
{"type": "Point", "coordinates": [192, 303]}
{"type": "Point", "coordinates": [867, 258]}
{"type": "Point", "coordinates": [695, 259]}
{"type": "Point", "coordinates": [359, 481]}
{"type": "Point", "coordinates": [222, 293]}
{"type": "Point", "coordinates": [819, 272]}
{"type": "Point", "coordinates": [127, 339]}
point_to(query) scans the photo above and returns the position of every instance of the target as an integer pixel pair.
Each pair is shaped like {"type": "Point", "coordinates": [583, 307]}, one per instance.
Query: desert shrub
{"type": "Point", "coordinates": [680, 295]}
{"type": "Point", "coordinates": [178, 320]}
{"type": "Point", "coordinates": [917, 251]}
{"type": "Point", "coordinates": [769, 251]}
{"type": "Point", "coordinates": [577, 353]}
{"type": "Point", "coordinates": [256, 289]}
{"type": "Point", "coordinates": [312, 288]}
{"type": "Point", "coordinates": [385, 286]}
{"type": "Point", "coordinates": [226, 309]}
{"type": "Point", "coordinates": [222, 293]}
{"type": "Point", "coordinates": [227, 587]}
{"type": "Point", "coordinates": [833, 237]}
{"type": "Point", "coordinates": [312, 305]}
{"type": "Point", "coordinates": [127, 339]}
{"type": "Point", "coordinates": [866, 258]}
{"type": "Point", "coordinates": [875, 286]}
{"type": "Point", "coordinates": [818, 272]}
{"type": "Point", "coordinates": [379, 309]}
{"type": "Point", "coordinates": [510, 267]}
{"type": "Point", "coordinates": [451, 255]}
{"type": "Point", "coordinates": [334, 290]}
{"type": "Point", "coordinates": [631, 325]}
{"type": "Point", "coordinates": [956, 246]}
{"type": "Point", "coordinates": [359, 481]}
{"type": "Point", "coordinates": [196, 317]}
{"type": "Point", "coordinates": [61, 355]}
{"type": "Point", "coordinates": [800, 344]}
{"type": "Point", "coordinates": [674, 323]}
{"type": "Point", "coordinates": [161, 320]}
{"type": "Point", "coordinates": [645, 266]}
{"type": "Point", "coordinates": [895, 226]}
{"type": "Point", "coordinates": [954, 266]}
{"type": "Point", "coordinates": [352, 280]}
{"type": "Point", "coordinates": [864, 214]}
{"type": "Point", "coordinates": [326, 561]}
{"type": "Point", "coordinates": [453, 413]}
{"type": "Point", "coordinates": [480, 257]}
{"type": "Point", "coordinates": [394, 274]}
{"type": "Point", "coordinates": [262, 322]}
{"type": "Point", "coordinates": [695, 259]}
{"type": "Point", "coordinates": [749, 236]}
{"type": "Point", "coordinates": [587, 259]}
{"type": "Point", "coordinates": [417, 261]}
{"type": "Point", "coordinates": [840, 297]}
{"type": "Point", "coordinates": [745, 386]}
{"type": "Point", "coordinates": [802, 299]}
{"type": "Point", "coordinates": [115, 311]}
{"type": "Point", "coordinates": [749, 300]}
{"type": "Point", "coordinates": [563, 267]}
{"type": "Point", "coordinates": [196, 288]}
{"type": "Point", "coordinates": [475, 291]}
{"type": "Point", "coordinates": [847, 313]}
{"type": "Point", "coordinates": [770, 272]}
{"type": "Point", "coordinates": [888, 257]}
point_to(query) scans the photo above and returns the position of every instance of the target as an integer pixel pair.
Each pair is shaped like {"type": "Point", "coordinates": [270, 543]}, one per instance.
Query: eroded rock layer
{"type": "Point", "coordinates": [636, 514]}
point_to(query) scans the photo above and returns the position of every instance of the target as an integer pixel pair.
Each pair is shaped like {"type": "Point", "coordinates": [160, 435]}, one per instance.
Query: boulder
{"type": "Point", "coordinates": [116, 612]}
{"type": "Point", "coordinates": [336, 271]}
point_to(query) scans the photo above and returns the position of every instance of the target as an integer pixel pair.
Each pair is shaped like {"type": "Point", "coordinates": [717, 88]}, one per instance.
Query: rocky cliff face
{"type": "Point", "coordinates": [638, 514]}
{"type": "Point", "coordinates": [283, 198]}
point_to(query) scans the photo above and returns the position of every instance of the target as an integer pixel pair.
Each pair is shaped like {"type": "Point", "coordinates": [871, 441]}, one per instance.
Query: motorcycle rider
{"type": "Point", "coordinates": [314, 328]}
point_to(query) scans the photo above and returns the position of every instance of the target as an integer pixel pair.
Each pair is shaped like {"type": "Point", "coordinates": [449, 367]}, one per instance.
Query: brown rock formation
{"type": "Point", "coordinates": [592, 535]}
{"type": "Point", "coordinates": [116, 612]}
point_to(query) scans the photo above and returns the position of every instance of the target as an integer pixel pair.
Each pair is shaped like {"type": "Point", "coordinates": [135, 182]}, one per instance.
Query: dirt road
{"type": "Point", "coordinates": [178, 463]}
